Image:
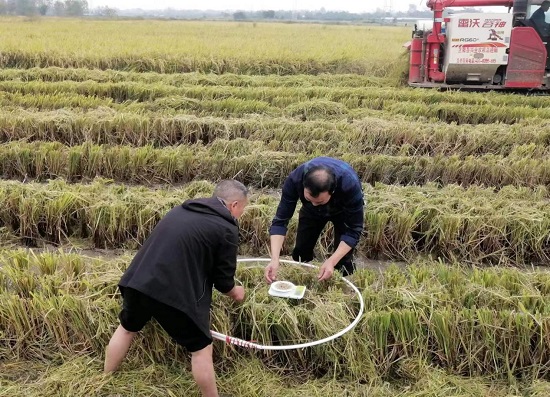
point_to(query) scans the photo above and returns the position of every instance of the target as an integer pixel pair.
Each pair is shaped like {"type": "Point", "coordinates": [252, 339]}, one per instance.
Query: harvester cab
{"type": "Point", "coordinates": [501, 50]}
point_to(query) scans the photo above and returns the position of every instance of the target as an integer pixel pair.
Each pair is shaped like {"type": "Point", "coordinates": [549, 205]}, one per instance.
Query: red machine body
{"type": "Point", "coordinates": [499, 51]}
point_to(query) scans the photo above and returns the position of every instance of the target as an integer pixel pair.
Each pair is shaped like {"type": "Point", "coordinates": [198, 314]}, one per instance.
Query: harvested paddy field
{"type": "Point", "coordinates": [100, 138]}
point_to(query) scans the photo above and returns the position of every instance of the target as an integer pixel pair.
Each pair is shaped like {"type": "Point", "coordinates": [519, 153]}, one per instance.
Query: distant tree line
{"type": "Point", "coordinates": [278, 15]}
{"type": "Point", "coordinates": [69, 8]}
{"type": "Point", "coordinates": [334, 16]}
{"type": "Point", "coordinates": [323, 15]}
{"type": "Point", "coordinates": [76, 8]}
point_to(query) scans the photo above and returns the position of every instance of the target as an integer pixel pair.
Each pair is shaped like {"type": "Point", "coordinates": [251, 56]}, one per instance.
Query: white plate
{"type": "Point", "coordinates": [277, 286]}
{"type": "Point", "coordinates": [295, 293]}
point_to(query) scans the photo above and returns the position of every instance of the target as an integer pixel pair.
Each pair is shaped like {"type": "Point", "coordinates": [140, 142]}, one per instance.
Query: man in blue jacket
{"type": "Point", "coordinates": [190, 251]}
{"type": "Point", "coordinates": [329, 190]}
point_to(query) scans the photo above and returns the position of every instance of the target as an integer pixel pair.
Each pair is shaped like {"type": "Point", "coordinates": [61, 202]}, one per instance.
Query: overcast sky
{"type": "Point", "coordinates": [342, 5]}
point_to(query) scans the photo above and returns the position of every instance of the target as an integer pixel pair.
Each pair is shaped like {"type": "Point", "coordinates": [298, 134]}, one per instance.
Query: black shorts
{"type": "Point", "coordinates": [138, 309]}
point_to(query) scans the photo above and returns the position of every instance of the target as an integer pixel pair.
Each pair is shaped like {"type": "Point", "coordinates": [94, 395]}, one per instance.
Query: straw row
{"type": "Point", "coordinates": [175, 64]}
{"type": "Point", "coordinates": [53, 101]}
{"type": "Point", "coordinates": [273, 97]}
{"type": "Point", "coordinates": [245, 376]}
{"type": "Point", "coordinates": [315, 109]}
{"type": "Point", "coordinates": [257, 164]}
{"type": "Point", "coordinates": [270, 100]}
{"type": "Point", "coordinates": [370, 135]}
{"type": "Point", "coordinates": [81, 376]}
{"type": "Point", "coordinates": [206, 86]}
{"type": "Point", "coordinates": [477, 322]}
{"type": "Point", "coordinates": [55, 74]}
{"type": "Point", "coordinates": [474, 224]}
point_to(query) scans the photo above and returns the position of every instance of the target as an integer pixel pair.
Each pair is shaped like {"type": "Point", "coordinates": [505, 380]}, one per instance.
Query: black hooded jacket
{"type": "Point", "coordinates": [192, 249]}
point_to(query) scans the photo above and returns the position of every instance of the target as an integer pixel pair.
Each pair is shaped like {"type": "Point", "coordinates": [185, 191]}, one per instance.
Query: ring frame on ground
{"type": "Point", "coordinates": [243, 343]}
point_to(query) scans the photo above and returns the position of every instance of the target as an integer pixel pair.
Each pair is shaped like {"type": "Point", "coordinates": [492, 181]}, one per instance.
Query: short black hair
{"type": "Point", "coordinates": [319, 179]}
{"type": "Point", "coordinates": [545, 3]}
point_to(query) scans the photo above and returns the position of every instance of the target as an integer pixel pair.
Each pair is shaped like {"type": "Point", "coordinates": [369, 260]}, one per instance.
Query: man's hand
{"type": "Point", "coordinates": [237, 293]}
{"type": "Point", "coordinates": [270, 271]}
{"type": "Point", "coordinates": [326, 270]}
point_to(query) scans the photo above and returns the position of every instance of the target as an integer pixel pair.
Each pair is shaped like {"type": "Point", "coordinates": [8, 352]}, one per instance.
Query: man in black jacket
{"type": "Point", "coordinates": [190, 251]}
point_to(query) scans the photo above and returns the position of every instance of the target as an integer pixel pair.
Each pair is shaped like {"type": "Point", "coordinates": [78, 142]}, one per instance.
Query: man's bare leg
{"type": "Point", "coordinates": [202, 367]}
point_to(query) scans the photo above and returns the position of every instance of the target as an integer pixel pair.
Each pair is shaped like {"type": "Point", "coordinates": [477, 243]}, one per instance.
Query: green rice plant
{"type": "Point", "coordinates": [376, 326]}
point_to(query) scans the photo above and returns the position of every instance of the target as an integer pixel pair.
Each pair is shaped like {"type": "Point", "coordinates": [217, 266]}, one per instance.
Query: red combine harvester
{"type": "Point", "coordinates": [481, 50]}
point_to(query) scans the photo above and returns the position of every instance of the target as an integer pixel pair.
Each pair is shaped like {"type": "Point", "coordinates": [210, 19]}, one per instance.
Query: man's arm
{"type": "Point", "coordinates": [223, 274]}
{"type": "Point", "coordinates": [224, 271]}
{"type": "Point", "coordinates": [327, 269]}
{"type": "Point", "coordinates": [276, 246]}
{"type": "Point", "coordinates": [353, 221]}
{"type": "Point", "coordinates": [270, 271]}
{"type": "Point", "coordinates": [286, 207]}
{"type": "Point", "coordinates": [279, 225]}
{"type": "Point", "coordinates": [354, 216]}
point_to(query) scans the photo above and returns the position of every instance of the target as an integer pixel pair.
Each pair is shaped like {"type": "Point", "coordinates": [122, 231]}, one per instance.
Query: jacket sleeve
{"type": "Point", "coordinates": [224, 271]}
{"type": "Point", "coordinates": [353, 215]}
{"type": "Point", "coordinates": [285, 210]}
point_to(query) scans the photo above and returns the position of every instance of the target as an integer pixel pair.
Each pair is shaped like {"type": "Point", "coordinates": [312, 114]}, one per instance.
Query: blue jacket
{"type": "Point", "coordinates": [347, 198]}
